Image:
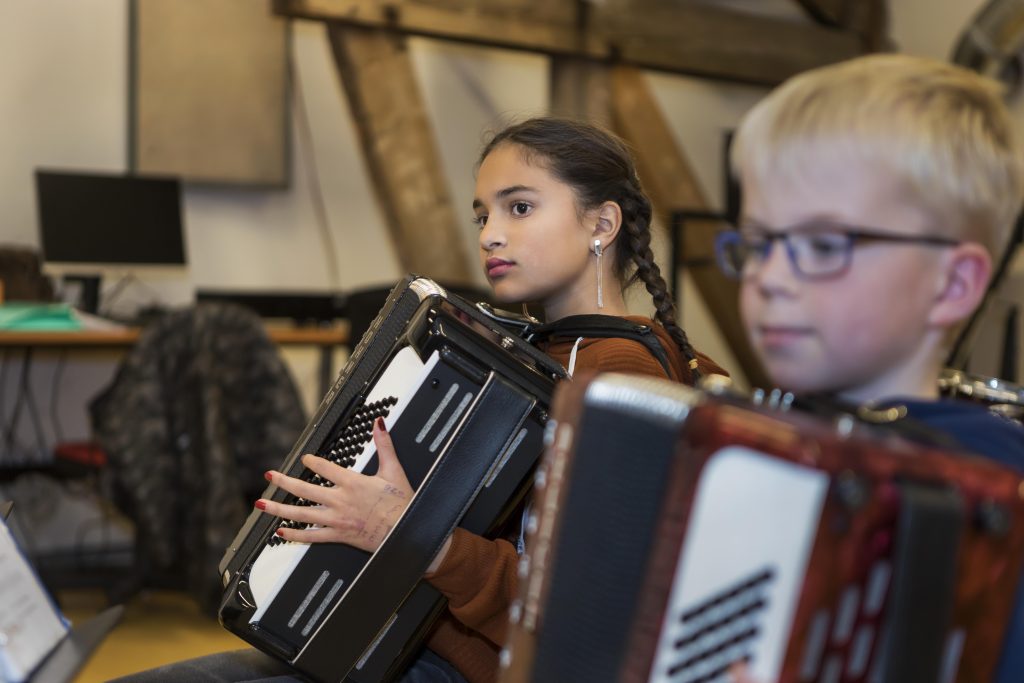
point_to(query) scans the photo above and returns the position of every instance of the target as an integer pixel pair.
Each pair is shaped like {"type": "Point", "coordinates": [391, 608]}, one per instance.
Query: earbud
{"type": "Point", "coordinates": [597, 247]}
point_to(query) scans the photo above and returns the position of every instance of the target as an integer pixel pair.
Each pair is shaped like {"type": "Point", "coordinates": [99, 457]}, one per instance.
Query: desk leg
{"type": "Point", "coordinates": [25, 398]}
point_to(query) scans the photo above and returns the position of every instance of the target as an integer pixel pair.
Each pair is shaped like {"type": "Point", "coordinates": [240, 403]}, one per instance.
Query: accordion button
{"type": "Point", "coordinates": [515, 611]}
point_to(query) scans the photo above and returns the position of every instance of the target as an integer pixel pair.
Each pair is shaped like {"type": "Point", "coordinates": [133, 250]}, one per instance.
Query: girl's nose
{"type": "Point", "coordinates": [491, 238]}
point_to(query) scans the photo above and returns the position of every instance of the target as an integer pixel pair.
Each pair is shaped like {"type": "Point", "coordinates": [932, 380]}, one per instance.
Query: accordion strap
{"type": "Point", "coordinates": [602, 326]}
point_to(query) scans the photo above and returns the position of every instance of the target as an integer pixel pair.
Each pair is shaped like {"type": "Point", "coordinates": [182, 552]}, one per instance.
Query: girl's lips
{"type": "Point", "coordinates": [497, 267]}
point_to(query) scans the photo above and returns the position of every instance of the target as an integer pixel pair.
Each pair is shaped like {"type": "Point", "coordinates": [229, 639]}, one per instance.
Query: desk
{"type": "Point", "coordinates": [326, 338]}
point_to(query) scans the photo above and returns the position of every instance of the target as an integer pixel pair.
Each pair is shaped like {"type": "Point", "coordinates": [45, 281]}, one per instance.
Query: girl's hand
{"type": "Point", "coordinates": [358, 510]}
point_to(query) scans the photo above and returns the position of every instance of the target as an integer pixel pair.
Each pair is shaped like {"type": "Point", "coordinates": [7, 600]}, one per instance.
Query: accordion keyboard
{"type": "Point", "coordinates": [344, 450]}
{"type": "Point", "coordinates": [721, 631]}
{"type": "Point", "coordinates": [753, 524]}
{"type": "Point", "coordinates": [352, 447]}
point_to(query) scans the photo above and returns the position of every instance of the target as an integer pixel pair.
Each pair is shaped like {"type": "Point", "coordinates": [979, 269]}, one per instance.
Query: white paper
{"type": "Point", "coordinates": [30, 626]}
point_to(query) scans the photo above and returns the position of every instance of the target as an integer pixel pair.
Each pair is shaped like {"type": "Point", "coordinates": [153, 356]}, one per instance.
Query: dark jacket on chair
{"type": "Point", "coordinates": [200, 408]}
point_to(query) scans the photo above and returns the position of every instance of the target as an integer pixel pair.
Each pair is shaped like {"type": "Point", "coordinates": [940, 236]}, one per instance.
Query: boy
{"type": "Point", "coordinates": [876, 195]}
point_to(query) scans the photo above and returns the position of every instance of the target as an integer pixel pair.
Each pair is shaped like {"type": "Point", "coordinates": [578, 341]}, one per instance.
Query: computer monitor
{"type": "Point", "coordinates": [89, 222]}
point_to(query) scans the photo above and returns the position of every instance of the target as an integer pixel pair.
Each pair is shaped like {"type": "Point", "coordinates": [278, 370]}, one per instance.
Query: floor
{"type": "Point", "coordinates": [158, 627]}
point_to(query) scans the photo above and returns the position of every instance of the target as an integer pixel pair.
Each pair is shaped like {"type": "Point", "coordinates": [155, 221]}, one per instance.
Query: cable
{"type": "Point", "coordinates": [305, 137]}
{"type": "Point", "coordinates": [58, 373]}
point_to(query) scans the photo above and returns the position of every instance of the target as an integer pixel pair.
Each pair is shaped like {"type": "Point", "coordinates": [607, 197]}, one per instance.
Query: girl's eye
{"type": "Point", "coordinates": [520, 208]}
{"type": "Point", "coordinates": [480, 221]}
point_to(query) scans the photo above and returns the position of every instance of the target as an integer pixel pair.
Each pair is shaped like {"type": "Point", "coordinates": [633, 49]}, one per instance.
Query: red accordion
{"type": "Point", "coordinates": [676, 533]}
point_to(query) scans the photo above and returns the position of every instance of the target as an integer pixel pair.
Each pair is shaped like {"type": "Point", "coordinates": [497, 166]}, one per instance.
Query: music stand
{"type": "Point", "coordinates": [71, 653]}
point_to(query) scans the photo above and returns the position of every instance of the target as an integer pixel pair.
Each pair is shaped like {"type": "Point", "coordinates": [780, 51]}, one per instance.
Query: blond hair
{"type": "Point", "coordinates": [942, 129]}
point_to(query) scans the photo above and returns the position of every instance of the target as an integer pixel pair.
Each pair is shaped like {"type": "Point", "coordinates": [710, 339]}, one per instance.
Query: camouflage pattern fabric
{"type": "Point", "coordinates": [199, 409]}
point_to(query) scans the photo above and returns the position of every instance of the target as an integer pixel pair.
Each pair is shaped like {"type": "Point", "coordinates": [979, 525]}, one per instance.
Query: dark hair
{"type": "Point", "coordinates": [599, 167]}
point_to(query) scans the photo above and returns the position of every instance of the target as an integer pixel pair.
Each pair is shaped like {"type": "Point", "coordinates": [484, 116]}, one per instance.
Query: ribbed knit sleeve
{"type": "Point", "coordinates": [478, 576]}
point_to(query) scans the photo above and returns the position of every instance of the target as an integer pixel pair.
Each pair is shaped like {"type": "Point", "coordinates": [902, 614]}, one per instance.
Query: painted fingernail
{"type": "Point", "coordinates": [269, 475]}
{"type": "Point", "coordinates": [380, 425]}
{"type": "Point", "coordinates": [260, 504]}
{"type": "Point", "coordinates": [279, 532]}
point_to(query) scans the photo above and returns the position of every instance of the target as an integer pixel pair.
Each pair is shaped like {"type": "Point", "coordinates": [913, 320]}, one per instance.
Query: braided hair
{"type": "Point", "coordinates": [599, 167]}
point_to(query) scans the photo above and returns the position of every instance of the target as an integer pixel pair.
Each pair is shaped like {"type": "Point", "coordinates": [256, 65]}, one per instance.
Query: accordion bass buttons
{"type": "Point", "coordinates": [507, 343]}
{"type": "Point", "coordinates": [515, 612]}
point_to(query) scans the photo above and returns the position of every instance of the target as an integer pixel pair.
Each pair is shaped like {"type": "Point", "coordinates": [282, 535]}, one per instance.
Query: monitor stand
{"type": "Point", "coordinates": [88, 299]}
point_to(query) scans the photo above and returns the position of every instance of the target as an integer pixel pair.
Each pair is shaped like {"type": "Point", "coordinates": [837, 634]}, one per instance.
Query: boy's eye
{"type": "Point", "coordinates": [520, 208]}
{"type": "Point", "coordinates": [754, 243]}
{"type": "Point", "coordinates": [826, 245]}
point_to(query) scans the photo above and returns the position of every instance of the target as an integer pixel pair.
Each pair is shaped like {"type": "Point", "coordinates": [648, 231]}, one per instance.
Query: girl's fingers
{"type": "Point", "coordinates": [330, 471]}
{"type": "Point", "coordinates": [390, 468]}
{"type": "Point", "coordinates": [297, 513]}
{"type": "Point", "coordinates": [321, 535]}
{"type": "Point", "coordinates": [297, 487]}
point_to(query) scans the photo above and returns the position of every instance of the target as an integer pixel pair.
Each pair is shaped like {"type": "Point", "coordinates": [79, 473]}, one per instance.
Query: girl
{"type": "Point", "coordinates": [563, 222]}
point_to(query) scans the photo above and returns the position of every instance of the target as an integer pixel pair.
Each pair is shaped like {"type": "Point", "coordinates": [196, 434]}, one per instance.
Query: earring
{"type": "Point", "coordinates": [597, 253]}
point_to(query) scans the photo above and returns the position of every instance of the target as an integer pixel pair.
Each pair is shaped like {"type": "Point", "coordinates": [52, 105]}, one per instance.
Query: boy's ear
{"type": "Point", "coordinates": [607, 223]}
{"type": "Point", "coordinates": [962, 285]}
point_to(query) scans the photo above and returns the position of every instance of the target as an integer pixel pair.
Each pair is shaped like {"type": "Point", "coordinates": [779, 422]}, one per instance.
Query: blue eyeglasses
{"type": "Point", "coordinates": [815, 252]}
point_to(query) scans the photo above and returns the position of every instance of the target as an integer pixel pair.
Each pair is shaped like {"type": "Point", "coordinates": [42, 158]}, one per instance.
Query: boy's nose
{"type": "Point", "coordinates": [775, 270]}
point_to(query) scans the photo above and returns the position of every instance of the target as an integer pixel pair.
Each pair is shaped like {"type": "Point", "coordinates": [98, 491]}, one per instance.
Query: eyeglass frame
{"type": "Point", "coordinates": [852, 233]}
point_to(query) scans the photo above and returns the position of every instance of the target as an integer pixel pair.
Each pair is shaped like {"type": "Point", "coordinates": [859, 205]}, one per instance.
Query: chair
{"type": "Point", "coordinates": [199, 409]}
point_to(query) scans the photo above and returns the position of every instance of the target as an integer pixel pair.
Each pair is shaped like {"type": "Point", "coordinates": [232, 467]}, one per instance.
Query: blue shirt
{"type": "Point", "coordinates": [982, 432]}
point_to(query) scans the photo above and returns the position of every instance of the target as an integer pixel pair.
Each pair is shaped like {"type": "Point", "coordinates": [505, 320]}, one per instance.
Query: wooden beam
{"type": "Point", "coordinates": [825, 12]}
{"type": "Point", "coordinates": [581, 89]}
{"type": "Point", "coordinates": [869, 19]}
{"type": "Point", "coordinates": [398, 143]}
{"type": "Point", "coordinates": [693, 38]}
{"type": "Point", "coordinates": [672, 185]}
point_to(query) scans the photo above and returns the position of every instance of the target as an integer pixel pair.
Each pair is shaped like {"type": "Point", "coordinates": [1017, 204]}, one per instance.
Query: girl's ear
{"type": "Point", "coordinates": [963, 284]}
{"type": "Point", "coordinates": [608, 222]}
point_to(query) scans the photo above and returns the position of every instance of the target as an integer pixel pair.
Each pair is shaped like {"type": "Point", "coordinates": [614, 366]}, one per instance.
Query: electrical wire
{"type": "Point", "coordinates": [305, 139]}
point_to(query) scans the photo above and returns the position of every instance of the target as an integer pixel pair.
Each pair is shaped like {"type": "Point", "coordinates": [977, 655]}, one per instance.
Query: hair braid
{"type": "Point", "coordinates": [636, 220]}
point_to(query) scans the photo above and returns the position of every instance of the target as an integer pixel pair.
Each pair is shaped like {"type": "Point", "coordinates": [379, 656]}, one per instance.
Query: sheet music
{"type": "Point", "coordinates": [30, 626]}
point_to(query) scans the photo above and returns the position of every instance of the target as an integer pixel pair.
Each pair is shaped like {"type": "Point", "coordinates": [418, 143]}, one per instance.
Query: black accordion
{"type": "Point", "coordinates": [675, 533]}
{"type": "Point", "coordinates": [465, 401]}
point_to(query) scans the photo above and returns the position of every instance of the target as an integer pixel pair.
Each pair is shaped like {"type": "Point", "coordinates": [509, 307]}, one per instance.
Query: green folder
{"type": "Point", "coordinates": [33, 317]}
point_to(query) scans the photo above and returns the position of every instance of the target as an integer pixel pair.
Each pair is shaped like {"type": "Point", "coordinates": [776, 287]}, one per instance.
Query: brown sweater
{"type": "Point", "coordinates": [478, 576]}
